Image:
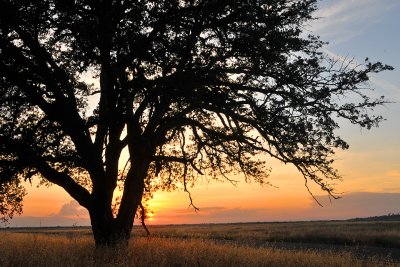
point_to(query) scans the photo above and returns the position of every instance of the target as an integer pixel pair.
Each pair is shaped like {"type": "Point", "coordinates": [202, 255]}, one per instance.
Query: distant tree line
{"type": "Point", "coordinates": [388, 217]}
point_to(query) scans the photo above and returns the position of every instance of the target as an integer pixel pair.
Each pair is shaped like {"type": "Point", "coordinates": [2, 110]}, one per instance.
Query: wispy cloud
{"type": "Point", "coordinates": [391, 90]}
{"type": "Point", "coordinates": [384, 87]}
{"type": "Point", "coordinates": [345, 19]}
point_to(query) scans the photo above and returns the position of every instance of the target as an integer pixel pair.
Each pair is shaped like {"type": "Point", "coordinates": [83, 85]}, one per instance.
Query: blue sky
{"type": "Point", "coordinates": [371, 168]}
{"type": "Point", "coordinates": [369, 28]}
{"type": "Point", "coordinates": [363, 28]}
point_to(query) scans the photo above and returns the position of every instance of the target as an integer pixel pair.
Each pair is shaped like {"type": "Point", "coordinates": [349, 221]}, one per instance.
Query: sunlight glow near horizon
{"type": "Point", "coordinates": [370, 168]}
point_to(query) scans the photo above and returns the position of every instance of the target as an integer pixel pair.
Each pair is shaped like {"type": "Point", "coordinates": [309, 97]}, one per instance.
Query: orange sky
{"type": "Point", "coordinates": [371, 168]}
{"type": "Point", "coordinates": [371, 186]}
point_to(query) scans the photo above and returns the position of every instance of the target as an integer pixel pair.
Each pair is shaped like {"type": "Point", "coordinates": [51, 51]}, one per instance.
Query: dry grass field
{"type": "Point", "coordinates": [383, 234]}
{"type": "Point", "coordinates": [259, 244]}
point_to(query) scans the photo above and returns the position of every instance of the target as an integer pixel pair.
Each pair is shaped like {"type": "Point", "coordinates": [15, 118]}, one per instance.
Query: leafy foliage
{"type": "Point", "coordinates": [11, 194]}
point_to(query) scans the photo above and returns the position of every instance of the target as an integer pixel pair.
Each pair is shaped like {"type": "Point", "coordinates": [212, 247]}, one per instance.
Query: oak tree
{"type": "Point", "coordinates": [146, 95]}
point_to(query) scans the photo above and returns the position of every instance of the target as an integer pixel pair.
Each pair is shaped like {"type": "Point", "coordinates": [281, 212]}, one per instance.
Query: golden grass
{"type": "Point", "coordinates": [25, 249]}
{"type": "Point", "coordinates": [383, 234]}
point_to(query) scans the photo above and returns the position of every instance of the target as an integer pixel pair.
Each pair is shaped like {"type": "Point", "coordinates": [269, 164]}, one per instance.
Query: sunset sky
{"type": "Point", "coordinates": [370, 168]}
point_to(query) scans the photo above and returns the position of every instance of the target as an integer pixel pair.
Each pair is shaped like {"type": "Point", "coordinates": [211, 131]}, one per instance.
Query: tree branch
{"type": "Point", "coordinates": [63, 180]}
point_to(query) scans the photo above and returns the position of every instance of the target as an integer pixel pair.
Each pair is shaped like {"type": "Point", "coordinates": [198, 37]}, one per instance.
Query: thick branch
{"type": "Point", "coordinates": [76, 191]}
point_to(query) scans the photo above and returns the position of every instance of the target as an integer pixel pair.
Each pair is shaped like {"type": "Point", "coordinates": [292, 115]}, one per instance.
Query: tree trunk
{"type": "Point", "coordinates": [110, 231]}
{"type": "Point", "coordinates": [107, 231]}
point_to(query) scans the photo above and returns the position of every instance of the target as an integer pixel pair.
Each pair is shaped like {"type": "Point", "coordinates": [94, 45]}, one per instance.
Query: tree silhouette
{"type": "Point", "coordinates": [149, 95]}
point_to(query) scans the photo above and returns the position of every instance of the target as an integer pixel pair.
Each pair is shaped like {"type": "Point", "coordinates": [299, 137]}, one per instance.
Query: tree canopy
{"type": "Point", "coordinates": [149, 95]}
